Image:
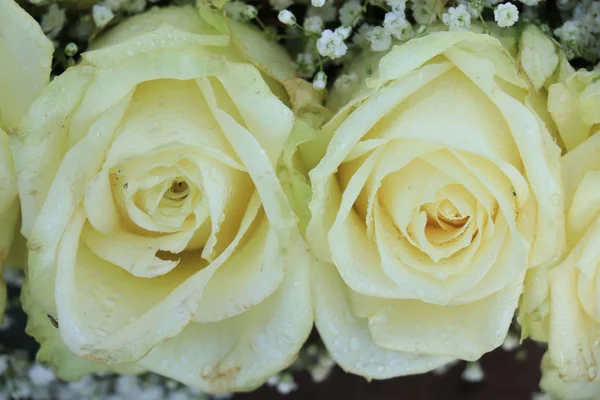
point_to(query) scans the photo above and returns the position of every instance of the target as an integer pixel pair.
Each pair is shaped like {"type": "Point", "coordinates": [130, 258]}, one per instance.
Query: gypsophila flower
{"type": "Point", "coordinates": [53, 20]}
{"type": "Point", "coordinates": [327, 12]}
{"type": "Point", "coordinates": [287, 18]}
{"type": "Point", "coordinates": [443, 369]}
{"type": "Point", "coordinates": [235, 9]}
{"type": "Point", "coordinates": [305, 64]}
{"type": "Point", "coordinates": [510, 343]}
{"type": "Point", "coordinates": [320, 81]}
{"type": "Point", "coordinates": [102, 15]}
{"type": "Point", "coordinates": [345, 81]}
{"type": "Point", "coordinates": [317, 3]}
{"type": "Point", "coordinates": [361, 37]}
{"type": "Point", "coordinates": [473, 7]}
{"type": "Point", "coordinates": [398, 6]}
{"type": "Point", "coordinates": [396, 25]}
{"type": "Point", "coordinates": [133, 6]}
{"type": "Point", "coordinates": [343, 31]}
{"type": "Point", "coordinates": [380, 39]}
{"type": "Point", "coordinates": [506, 15]}
{"type": "Point", "coordinates": [350, 12]}
{"type": "Point", "coordinates": [457, 18]}
{"type": "Point", "coordinates": [280, 4]}
{"type": "Point", "coordinates": [40, 375]}
{"type": "Point", "coordinates": [250, 12]}
{"type": "Point", "coordinates": [286, 384]}
{"type": "Point", "coordinates": [331, 44]}
{"type": "Point", "coordinates": [473, 373]}
{"type": "Point", "coordinates": [423, 11]}
{"type": "Point", "coordinates": [313, 24]}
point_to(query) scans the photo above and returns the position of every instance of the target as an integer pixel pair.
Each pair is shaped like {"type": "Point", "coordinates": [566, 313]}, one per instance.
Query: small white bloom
{"type": "Point", "coordinates": [343, 83]}
{"type": "Point", "coordinates": [398, 6]}
{"type": "Point", "coordinates": [343, 31]}
{"type": "Point", "coordinates": [114, 5]}
{"type": "Point", "coordinates": [53, 21]}
{"type": "Point", "coordinates": [317, 3]}
{"type": "Point", "coordinates": [457, 18]}
{"type": "Point", "coordinates": [473, 373]}
{"type": "Point", "coordinates": [280, 4]}
{"type": "Point", "coordinates": [350, 12]}
{"type": "Point", "coordinates": [235, 9]}
{"type": "Point", "coordinates": [134, 6]}
{"type": "Point", "coordinates": [286, 384]}
{"type": "Point", "coordinates": [313, 24]}
{"type": "Point", "coordinates": [320, 81]}
{"type": "Point", "coordinates": [473, 7]}
{"type": "Point", "coordinates": [40, 375]}
{"type": "Point", "coordinates": [286, 17]}
{"type": "Point", "coordinates": [250, 12]}
{"type": "Point", "coordinates": [305, 64]}
{"type": "Point", "coordinates": [380, 39]}
{"type": "Point", "coordinates": [102, 15]}
{"type": "Point", "coordinates": [327, 12]}
{"type": "Point", "coordinates": [506, 15]}
{"type": "Point", "coordinates": [331, 44]}
{"type": "Point", "coordinates": [396, 25]}
{"type": "Point", "coordinates": [423, 11]}
{"type": "Point", "coordinates": [511, 342]}
{"type": "Point", "coordinates": [361, 37]}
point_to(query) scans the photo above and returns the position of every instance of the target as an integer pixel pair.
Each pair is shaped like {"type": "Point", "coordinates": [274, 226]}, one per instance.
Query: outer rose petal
{"type": "Point", "coordinates": [26, 55]}
{"type": "Point", "coordinates": [575, 107]}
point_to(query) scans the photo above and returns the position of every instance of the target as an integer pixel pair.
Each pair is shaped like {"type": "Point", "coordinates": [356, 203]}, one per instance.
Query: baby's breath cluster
{"type": "Point", "coordinates": [580, 33]}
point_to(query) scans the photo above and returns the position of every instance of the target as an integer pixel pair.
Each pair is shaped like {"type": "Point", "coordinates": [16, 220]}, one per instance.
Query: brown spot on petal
{"type": "Point", "coordinates": [219, 373]}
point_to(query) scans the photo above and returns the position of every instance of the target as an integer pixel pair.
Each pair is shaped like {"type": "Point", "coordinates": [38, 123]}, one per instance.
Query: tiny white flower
{"type": "Point", "coordinates": [343, 31]}
{"type": "Point", "coordinates": [286, 384]}
{"type": "Point", "coordinates": [305, 64]}
{"type": "Point", "coordinates": [235, 9]}
{"type": "Point", "coordinates": [250, 12]}
{"type": "Point", "coordinates": [423, 11]}
{"type": "Point", "coordinates": [317, 3]}
{"type": "Point", "coordinates": [287, 18]}
{"type": "Point", "coordinates": [53, 21]}
{"type": "Point", "coordinates": [457, 18]}
{"type": "Point", "coordinates": [114, 5]}
{"type": "Point", "coordinates": [361, 37]}
{"type": "Point", "coordinates": [398, 6]}
{"type": "Point", "coordinates": [342, 83]}
{"type": "Point", "coordinates": [134, 6]}
{"type": "Point", "coordinates": [102, 15]}
{"type": "Point", "coordinates": [510, 343]}
{"type": "Point", "coordinates": [506, 15]}
{"type": "Point", "coordinates": [327, 12]}
{"type": "Point", "coordinates": [331, 44]}
{"type": "Point", "coordinates": [40, 375]}
{"type": "Point", "coordinates": [280, 4]}
{"type": "Point", "coordinates": [380, 39]}
{"type": "Point", "coordinates": [473, 373]}
{"type": "Point", "coordinates": [350, 12]}
{"type": "Point", "coordinates": [473, 7]}
{"type": "Point", "coordinates": [320, 81]}
{"type": "Point", "coordinates": [313, 24]}
{"type": "Point", "coordinates": [396, 25]}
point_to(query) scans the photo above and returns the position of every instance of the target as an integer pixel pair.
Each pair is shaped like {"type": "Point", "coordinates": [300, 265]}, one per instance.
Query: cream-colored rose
{"type": "Point", "coordinates": [574, 105]}
{"type": "Point", "coordinates": [574, 314]}
{"type": "Point", "coordinates": [438, 189]}
{"type": "Point", "coordinates": [25, 57]}
{"type": "Point", "coordinates": [159, 235]}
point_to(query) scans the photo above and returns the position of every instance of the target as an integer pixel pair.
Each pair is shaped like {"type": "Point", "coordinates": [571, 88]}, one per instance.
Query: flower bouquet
{"type": "Point", "coordinates": [189, 189]}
